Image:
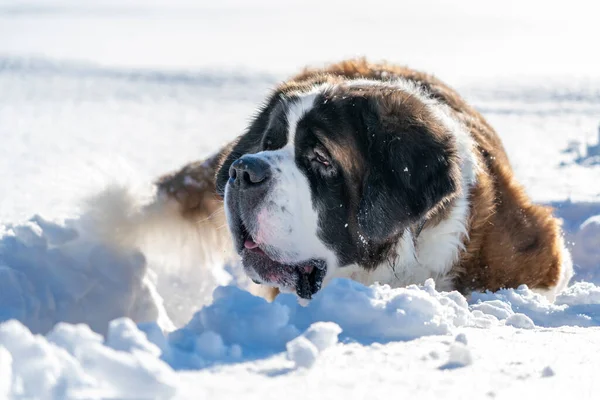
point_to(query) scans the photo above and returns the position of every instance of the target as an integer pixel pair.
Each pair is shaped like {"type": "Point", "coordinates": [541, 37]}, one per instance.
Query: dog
{"type": "Point", "coordinates": [377, 173]}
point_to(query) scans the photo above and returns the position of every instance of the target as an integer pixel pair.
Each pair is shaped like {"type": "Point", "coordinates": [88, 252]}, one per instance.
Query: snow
{"type": "Point", "coordinates": [302, 352]}
{"type": "Point", "coordinates": [98, 93]}
{"type": "Point", "coordinates": [237, 327]}
{"type": "Point", "coordinates": [72, 362]}
{"type": "Point", "coordinates": [547, 372]}
{"type": "Point", "coordinates": [519, 320]}
{"type": "Point", "coordinates": [304, 349]}
{"type": "Point", "coordinates": [459, 354]}
{"type": "Point", "coordinates": [60, 273]}
{"type": "Point", "coordinates": [506, 303]}
{"type": "Point", "coordinates": [323, 334]}
{"type": "Point", "coordinates": [580, 293]}
{"type": "Point", "coordinates": [586, 249]}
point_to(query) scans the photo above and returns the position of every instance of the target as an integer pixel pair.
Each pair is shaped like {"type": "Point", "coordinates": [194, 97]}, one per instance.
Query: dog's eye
{"type": "Point", "coordinates": [321, 162]}
{"type": "Point", "coordinates": [268, 145]}
{"type": "Point", "coordinates": [321, 157]}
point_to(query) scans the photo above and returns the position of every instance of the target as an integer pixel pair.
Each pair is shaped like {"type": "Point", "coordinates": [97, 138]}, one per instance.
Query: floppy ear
{"type": "Point", "coordinates": [413, 166]}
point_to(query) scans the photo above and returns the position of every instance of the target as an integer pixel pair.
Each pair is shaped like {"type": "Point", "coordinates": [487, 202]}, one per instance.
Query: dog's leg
{"type": "Point", "coordinates": [193, 188]}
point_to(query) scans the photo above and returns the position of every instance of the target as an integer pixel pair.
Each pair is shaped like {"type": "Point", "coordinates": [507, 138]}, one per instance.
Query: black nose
{"type": "Point", "coordinates": [249, 171]}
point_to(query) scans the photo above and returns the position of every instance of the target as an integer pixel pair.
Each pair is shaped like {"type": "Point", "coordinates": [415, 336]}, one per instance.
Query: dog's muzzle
{"type": "Point", "coordinates": [250, 181]}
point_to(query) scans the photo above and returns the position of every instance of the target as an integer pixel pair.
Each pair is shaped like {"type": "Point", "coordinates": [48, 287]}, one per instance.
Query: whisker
{"type": "Point", "coordinates": [222, 226]}
{"type": "Point", "coordinates": [211, 216]}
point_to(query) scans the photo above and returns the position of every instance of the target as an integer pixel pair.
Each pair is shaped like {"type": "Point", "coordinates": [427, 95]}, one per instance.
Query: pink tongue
{"type": "Point", "coordinates": [249, 244]}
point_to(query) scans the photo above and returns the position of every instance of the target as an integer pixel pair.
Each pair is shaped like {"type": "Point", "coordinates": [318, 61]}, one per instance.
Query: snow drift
{"type": "Point", "coordinates": [72, 279]}
{"type": "Point", "coordinates": [133, 361]}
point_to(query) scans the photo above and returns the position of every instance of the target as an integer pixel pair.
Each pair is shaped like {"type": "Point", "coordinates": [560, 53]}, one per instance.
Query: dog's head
{"type": "Point", "coordinates": [333, 174]}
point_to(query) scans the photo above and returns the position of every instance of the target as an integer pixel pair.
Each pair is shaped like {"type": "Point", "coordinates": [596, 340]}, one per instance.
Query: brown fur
{"type": "Point", "coordinates": [511, 241]}
{"type": "Point", "coordinates": [198, 201]}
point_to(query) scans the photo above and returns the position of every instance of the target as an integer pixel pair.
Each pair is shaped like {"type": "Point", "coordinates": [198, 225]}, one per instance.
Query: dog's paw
{"type": "Point", "coordinates": [190, 187]}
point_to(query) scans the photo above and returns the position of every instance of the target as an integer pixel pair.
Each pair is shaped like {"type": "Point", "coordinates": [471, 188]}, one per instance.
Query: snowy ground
{"type": "Point", "coordinates": [93, 92]}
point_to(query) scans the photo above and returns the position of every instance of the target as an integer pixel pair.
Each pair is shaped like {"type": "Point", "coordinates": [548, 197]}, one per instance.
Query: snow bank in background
{"type": "Point", "coordinates": [580, 293]}
{"type": "Point", "coordinates": [579, 305]}
{"type": "Point", "coordinates": [586, 249]}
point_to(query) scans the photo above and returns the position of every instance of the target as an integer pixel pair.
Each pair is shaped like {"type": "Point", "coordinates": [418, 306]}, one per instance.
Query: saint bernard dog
{"type": "Point", "coordinates": [377, 173]}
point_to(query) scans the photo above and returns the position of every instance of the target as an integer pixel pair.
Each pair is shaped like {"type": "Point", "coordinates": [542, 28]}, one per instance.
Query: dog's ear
{"type": "Point", "coordinates": [413, 165]}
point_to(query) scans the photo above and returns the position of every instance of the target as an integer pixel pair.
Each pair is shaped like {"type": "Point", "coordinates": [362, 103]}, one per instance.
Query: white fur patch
{"type": "Point", "coordinates": [286, 221]}
{"type": "Point", "coordinates": [295, 112]}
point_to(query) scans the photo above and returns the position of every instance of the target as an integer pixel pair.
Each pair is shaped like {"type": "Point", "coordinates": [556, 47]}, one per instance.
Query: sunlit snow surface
{"type": "Point", "coordinates": [92, 93]}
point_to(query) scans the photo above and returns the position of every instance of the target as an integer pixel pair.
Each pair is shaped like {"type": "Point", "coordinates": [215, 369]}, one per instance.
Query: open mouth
{"type": "Point", "coordinates": [305, 276]}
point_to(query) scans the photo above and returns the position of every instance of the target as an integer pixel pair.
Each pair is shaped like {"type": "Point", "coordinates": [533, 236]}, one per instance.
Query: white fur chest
{"type": "Point", "coordinates": [432, 255]}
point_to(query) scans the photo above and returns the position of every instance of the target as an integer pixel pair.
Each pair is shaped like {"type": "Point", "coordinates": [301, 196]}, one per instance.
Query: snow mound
{"type": "Point", "coordinates": [586, 250]}
{"type": "Point", "coordinates": [51, 272]}
{"type": "Point", "coordinates": [577, 306]}
{"type": "Point", "coordinates": [302, 352]}
{"type": "Point", "coordinates": [580, 293]}
{"type": "Point", "coordinates": [521, 321]}
{"type": "Point", "coordinates": [111, 261]}
{"type": "Point", "coordinates": [240, 324]}
{"type": "Point", "coordinates": [323, 334]}
{"type": "Point", "coordinates": [73, 362]}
